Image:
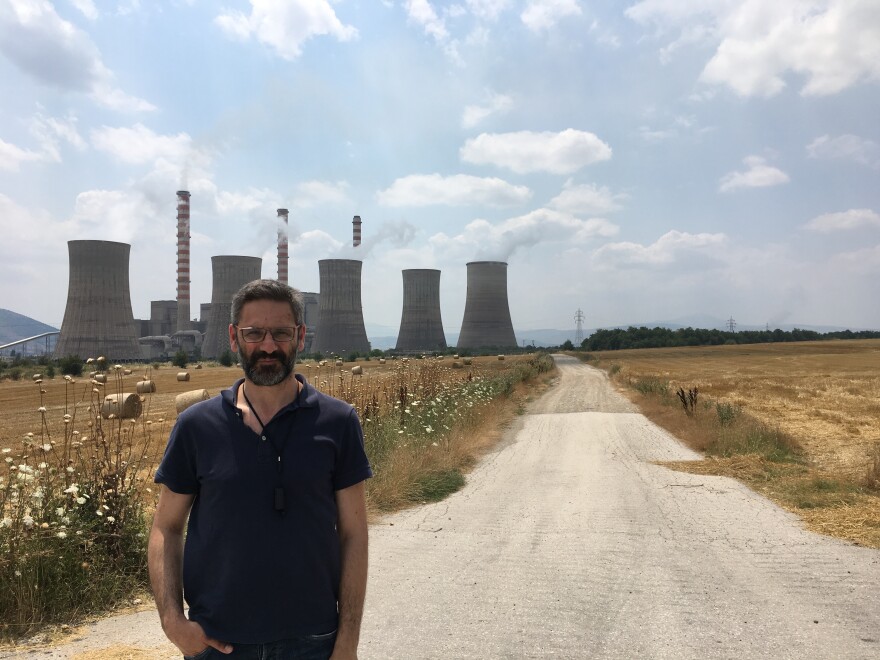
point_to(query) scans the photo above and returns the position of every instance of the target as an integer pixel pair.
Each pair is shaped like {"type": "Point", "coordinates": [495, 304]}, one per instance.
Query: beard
{"type": "Point", "coordinates": [267, 375]}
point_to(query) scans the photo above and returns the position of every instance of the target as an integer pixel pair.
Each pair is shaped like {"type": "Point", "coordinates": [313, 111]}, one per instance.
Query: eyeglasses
{"type": "Point", "coordinates": [280, 335]}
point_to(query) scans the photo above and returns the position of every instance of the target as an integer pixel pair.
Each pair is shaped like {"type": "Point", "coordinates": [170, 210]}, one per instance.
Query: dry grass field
{"type": "Point", "coordinates": [824, 395]}
{"type": "Point", "coordinates": [20, 401]}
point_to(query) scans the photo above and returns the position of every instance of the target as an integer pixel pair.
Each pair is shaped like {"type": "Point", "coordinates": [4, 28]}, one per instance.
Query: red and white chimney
{"type": "Point", "coordinates": [282, 246]}
{"type": "Point", "coordinates": [183, 318]}
{"type": "Point", "coordinates": [356, 231]}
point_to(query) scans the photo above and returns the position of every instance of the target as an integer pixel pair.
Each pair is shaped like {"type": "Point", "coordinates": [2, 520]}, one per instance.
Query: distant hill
{"type": "Point", "coordinates": [17, 326]}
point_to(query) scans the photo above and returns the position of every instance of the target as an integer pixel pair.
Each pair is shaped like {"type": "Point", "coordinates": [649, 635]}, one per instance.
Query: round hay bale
{"type": "Point", "coordinates": [182, 376]}
{"type": "Point", "coordinates": [92, 374]}
{"type": "Point", "coordinates": [500, 357]}
{"type": "Point", "coordinates": [126, 372]}
{"type": "Point", "coordinates": [381, 360]}
{"type": "Point", "coordinates": [467, 360]}
{"type": "Point", "coordinates": [338, 363]}
{"type": "Point", "coordinates": [357, 371]}
{"type": "Point", "coordinates": [456, 364]}
{"type": "Point", "coordinates": [37, 376]}
{"type": "Point", "coordinates": [186, 399]}
{"type": "Point", "coordinates": [146, 387]}
{"type": "Point", "coordinates": [455, 357]}
{"type": "Point", "coordinates": [198, 366]}
{"type": "Point", "coordinates": [123, 406]}
{"type": "Point", "coordinates": [101, 378]}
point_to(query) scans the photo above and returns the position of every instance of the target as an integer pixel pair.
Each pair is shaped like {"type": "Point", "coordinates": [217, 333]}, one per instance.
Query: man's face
{"type": "Point", "coordinates": [267, 362]}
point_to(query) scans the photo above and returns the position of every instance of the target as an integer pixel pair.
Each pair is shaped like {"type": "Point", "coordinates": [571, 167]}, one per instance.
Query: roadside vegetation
{"type": "Point", "coordinates": [76, 491]}
{"type": "Point", "coordinates": [796, 422]}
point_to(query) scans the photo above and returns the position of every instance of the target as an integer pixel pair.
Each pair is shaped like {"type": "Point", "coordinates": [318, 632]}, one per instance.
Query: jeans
{"type": "Point", "coordinates": [309, 647]}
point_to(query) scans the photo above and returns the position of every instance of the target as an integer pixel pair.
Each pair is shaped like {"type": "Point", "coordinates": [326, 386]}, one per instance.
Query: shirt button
{"type": "Point", "coordinates": [263, 437]}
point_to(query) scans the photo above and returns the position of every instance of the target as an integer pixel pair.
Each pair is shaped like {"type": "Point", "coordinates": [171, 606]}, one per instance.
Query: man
{"type": "Point", "coordinates": [271, 475]}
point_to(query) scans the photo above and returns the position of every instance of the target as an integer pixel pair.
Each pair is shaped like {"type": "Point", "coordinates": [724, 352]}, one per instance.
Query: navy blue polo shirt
{"type": "Point", "coordinates": [252, 574]}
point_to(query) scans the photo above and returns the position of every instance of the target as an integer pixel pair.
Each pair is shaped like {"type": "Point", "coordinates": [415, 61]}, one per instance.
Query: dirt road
{"type": "Point", "coordinates": [568, 542]}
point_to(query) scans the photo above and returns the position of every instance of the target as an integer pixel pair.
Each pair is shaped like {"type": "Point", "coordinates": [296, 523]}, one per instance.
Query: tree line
{"type": "Point", "coordinates": [617, 338]}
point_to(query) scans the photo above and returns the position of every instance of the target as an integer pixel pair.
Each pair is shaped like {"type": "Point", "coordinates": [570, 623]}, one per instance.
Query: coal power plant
{"type": "Point", "coordinates": [421, 327]}
{"type": "Point", "coordinates": [340, 315]}
{"type": "Point", "coordinates": [230, 273]}
{"type": "Point", "coordinates": [486, 311]}
{"type": "Point", "coordinates": [98, 320]}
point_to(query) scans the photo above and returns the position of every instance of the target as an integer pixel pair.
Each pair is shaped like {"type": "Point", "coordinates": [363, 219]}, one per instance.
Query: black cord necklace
{"type": "Point", "coordinates": [279, 488]}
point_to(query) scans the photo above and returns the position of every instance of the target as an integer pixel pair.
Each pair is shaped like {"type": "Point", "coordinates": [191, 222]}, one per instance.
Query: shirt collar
{"type": "Point", "coordinates": [307, 397]}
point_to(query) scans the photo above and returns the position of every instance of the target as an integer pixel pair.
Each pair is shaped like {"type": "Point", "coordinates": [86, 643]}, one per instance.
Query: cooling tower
{"type": "Point", "coordinates": [282, 245]}
{"type": "Point", "coordinates": [486, 312]}
{"type": "Point", "coordinates": [230, 273]}
{"type": "Point", "coordinates": [340, 316]}
{"type": "Point", "coordinates": [98, 319]}
{"type": "Point", "coordinates": [183, 317]}
{"type": "Point", "coordinates": [421, 328]}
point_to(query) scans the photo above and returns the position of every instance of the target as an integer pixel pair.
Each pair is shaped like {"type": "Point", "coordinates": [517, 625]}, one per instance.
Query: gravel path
{"type": "Point", "coordinates": [568, 542]}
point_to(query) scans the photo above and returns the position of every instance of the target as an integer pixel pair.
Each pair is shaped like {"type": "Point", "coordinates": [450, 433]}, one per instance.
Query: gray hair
{"type": "Point", "coordinates": [268, 290]}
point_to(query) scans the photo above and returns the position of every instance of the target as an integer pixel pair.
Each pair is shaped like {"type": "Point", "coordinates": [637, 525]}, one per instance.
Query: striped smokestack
{"type": "Point", "coordinates": [183, 318]}
{"type": "Point", "coordinates": [282, 246]}
{"type": "Point", "coordinates": [356, 231]}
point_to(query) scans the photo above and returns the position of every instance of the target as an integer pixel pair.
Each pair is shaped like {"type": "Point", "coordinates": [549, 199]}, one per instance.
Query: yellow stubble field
{"type": "Point", "coordinates": [825, 394]}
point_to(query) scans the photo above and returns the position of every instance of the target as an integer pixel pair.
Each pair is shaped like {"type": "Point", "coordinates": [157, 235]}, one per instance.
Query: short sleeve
{"type": "Point", "coordinates": [352, 464]}
{"type": "Point", "coordinates": [177, 471]}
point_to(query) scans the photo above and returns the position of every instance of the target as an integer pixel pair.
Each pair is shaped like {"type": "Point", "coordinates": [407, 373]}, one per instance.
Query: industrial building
{"type": "Point", "coordinates": [97, 318]}
{"type": "Point", "coordinates": [230, 273]}
{"type": "Point", "coordinates": [486, 320]}
{"type": "Point", "coordinates": [421, 326]}
{"type": "Point", "coordinates": [340, 315]}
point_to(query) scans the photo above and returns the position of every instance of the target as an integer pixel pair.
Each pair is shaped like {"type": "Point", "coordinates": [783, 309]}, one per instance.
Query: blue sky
{"type": "Point", "coordinates": [641, 161]}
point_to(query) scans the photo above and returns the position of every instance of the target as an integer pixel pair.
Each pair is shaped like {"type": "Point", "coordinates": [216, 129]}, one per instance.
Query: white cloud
{"type": "Point", "coordinates": [850, 147]}
{"type": "Point", "coordinates": [317, 193]}
{"type": "Point", "coordinates": [496, 103]}
{"type": "Point", "coordinates": [544, 14]}
{"type": "Point", "coordinates": [526, 151]}
{"type": "Point", "coordinates": [138, 144]}
{"type": "Point", "coordinates": [833, 44]}
{"type": "Point", "coordinates": [11, 156]}
{"type": "Point", "coordinates": [585, 199]}
{"type": "Point", "coordinates": [86, 7]}
{"type": "Point", "coordinates": [457, 190]}
{"type": "Point", "coordinates": [422, 13]}
{"type": "Point", "coordinates": [57, 53]}
{"type": "Point", "coordinates": [759, 175]}
{"type": "Point", "coordinates": [488, 10]}
{"type": "Point", "coordinates": [852, 219]}
{"type": "Point", "coordinates": [668, 249]}
{"type": "Point", "coordinates": [481, 239]}
{"type": "Point", "coordinates": [285, 25]}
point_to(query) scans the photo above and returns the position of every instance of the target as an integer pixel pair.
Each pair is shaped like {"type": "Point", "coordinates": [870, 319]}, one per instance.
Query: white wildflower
{"type": "Point", "coordinates": [44, 525]}
{"type": "Point", "coordinates": [111, 519]}
{"type": "Point", "coordinates": [6, 450]}
{"type": "Point", "coordinates": [99, 512]}
{"type": "Point", "coordinates": [80, 500]}
{"type": "Point", "coordinates": [41, 409]}
{"type": "Point", "coordinates": [6, 522]}
{"type": "Point", "coordinates": [28, 521]}
{"type": "Point", "coordinates": [47, 447]}
{"type": "Point", "coordinates": [59, 511]}
{"type": "Point", "coordinates": [43, 466]}
{"type": "Point", "coordinates": [70, 469]}
{"type": "Point", "coordinates": [73, 489]}
{"type": "Point", "coordinates": [61, 535]}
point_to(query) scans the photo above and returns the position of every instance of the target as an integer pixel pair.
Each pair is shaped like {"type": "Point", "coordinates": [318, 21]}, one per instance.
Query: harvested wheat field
{"type": "Point", "coordinates": [20, 401]}
{"type": "Point", "coordinates": [823, 395]}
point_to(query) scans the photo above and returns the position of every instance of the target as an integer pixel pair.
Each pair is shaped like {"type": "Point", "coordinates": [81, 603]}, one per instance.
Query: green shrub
{"type": "Point", "coordinates": [180, 359]}
{"type": "Point", "coordinates": [71, 365]}
{"type": "Point", "coordinates": [727, 413]}
{"type": "Point", "coordinates": [226, 358]}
